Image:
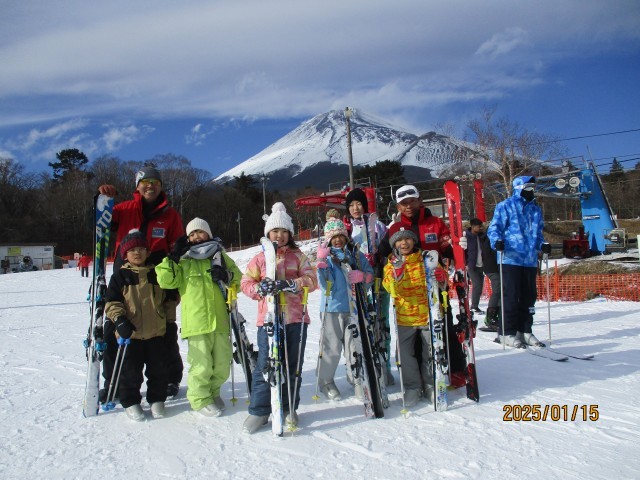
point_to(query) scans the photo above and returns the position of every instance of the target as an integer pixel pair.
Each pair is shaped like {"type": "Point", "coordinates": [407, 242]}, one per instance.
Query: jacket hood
{"type": "Point", "coordinates": [519, 182]}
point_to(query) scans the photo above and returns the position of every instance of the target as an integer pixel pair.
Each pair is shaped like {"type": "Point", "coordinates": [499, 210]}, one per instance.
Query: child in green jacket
{"type": "Point", "coordinates": [198, 267]}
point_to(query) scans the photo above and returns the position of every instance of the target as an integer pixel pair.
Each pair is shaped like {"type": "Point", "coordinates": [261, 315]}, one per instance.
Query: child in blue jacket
{"type": "Point", "coordinates": [335, 308]}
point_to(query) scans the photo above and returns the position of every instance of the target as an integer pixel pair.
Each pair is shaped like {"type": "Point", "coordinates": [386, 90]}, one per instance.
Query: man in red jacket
{"type": "Point", "coordinates": [149, 212]}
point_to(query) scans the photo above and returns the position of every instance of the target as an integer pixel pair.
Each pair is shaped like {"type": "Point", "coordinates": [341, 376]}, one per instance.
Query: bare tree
{"type": "Point", "coordinates": [508, 150]}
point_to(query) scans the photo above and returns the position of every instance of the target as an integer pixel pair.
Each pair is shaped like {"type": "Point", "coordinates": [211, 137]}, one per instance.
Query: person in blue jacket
{"type": "Point", "coordinates": [336, 312]}
{"type": "Point", "coordinates": [516, 233]}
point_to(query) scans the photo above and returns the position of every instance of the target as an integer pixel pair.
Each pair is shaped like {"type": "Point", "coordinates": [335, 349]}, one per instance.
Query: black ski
{"type": "Point", "coordinates": [94, 342]}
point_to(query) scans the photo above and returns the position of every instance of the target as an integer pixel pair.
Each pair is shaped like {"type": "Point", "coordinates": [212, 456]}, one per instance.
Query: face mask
{"type": "Point", "coordinates": [527, 195]}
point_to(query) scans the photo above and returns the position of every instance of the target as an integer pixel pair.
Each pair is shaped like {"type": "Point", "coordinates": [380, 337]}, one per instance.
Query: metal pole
{"type": "Point", "coordinates": [264, 195]}
{"type": "Point", "coordinates": [347, 115]}
{"type": "Point", "coordinates": [239, 235]}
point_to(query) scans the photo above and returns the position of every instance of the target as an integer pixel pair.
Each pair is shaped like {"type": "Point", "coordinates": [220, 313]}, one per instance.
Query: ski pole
{"type": "Point", "coordinates": [445, 307]}
{"type": "Point", "coordinates": [231, 298]}
{"type": "Point", "coordinates": [327, 293]}
{"type": "Point", "coordinates": [394, 295]}
{"type": "Point", "coordinates": [546, 263]}
{"type": "Point", "coordinates": [502, 300]}
{"type": "Point", "coordinates": [305, 295]}
{"type": "Point", "coordinates": [283, 304]}
{"type": "Point", "coordinates": [110, 404]}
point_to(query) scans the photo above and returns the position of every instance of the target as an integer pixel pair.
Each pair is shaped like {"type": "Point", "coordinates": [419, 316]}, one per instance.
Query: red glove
{"type": "Point", "coordinates": [108, 190]}
{"type": "Point", "coordinates": [441, 275]}
{"type": "Point", "coordinates": [322, 264]}
{"type": "Point", "coordinates": [356, 276]}
{"type": "Point", "coordinates": [368, 278]}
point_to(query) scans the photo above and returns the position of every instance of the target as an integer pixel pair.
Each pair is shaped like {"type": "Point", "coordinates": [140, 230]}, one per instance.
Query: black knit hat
{"type": "Point", "coordinates": [133, 239]}
{"type": "Point", "coordinates": [148, 172]}
{"type": "Point", "coordinates": [358, 195]}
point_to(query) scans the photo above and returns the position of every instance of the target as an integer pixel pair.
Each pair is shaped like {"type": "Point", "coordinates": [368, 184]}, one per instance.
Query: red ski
{"type": "Point", "coordinates": [466, 328]}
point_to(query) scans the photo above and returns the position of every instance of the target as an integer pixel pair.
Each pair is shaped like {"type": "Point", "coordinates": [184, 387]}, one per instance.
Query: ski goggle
{"type": "Point", "coordinates": [408, 193]}
{"type": "Point", "coordinates": [529, 187]}
{"type": "Point", "coordinates": [149, 181]}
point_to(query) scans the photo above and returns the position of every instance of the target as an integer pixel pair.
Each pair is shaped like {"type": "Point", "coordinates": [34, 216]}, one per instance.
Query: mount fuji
{"type": "Point", "coordinates": [316, 153]}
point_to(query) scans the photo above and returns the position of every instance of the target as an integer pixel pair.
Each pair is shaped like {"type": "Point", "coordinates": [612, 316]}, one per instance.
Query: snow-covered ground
{"type": "Point", "coordinates": [44, 317]}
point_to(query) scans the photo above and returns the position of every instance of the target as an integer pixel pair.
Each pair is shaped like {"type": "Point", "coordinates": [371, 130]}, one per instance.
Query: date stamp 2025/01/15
{"type": "Point", "coordinates": [554, 413]}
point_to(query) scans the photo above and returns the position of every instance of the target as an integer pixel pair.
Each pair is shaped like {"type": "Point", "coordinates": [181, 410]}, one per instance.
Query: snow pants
{"type": "Point", "coordinates": [151, 354]}
{"type": "Point", "coordinates": [415, 357]}
{"type": "Point", "coordinates": [336, 339]}
{"type": "Point", "coordinates": [173, 362]}
{"type": "Point", "coordinates": [494, 299]}
{"type": "Point", "coordinates": [209, 358]}
{"type": "Point", "coordinates": [260, 402]}
{"type": "Point", "coordinates": [520, 295]}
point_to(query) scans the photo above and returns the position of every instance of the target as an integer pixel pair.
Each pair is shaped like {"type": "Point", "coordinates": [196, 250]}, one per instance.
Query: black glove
{"type": "Point", "coordinates": [286, 286]}
{"type": "Point", "coordinates": [266, 287]}
{"type": "Point", "coordinates": [181, 247]}
{"type": "Point", "coordinates": [124, 327]}
{"type": "Point", "coordinates": [499, 246]}
{"type": "Point", "coordinates": [546, 248]}
{"type": "Point", "coordinates": [219, 274]}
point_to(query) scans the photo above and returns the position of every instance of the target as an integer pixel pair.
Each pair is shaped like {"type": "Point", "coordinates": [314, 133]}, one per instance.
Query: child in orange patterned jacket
{"type": "Point", "coordinates": [405, 278]}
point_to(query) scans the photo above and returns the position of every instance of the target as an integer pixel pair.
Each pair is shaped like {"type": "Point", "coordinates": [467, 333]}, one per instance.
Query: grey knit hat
{"type": "Point", "coordinates": [402, 234]}
{"type": "Point", "coordinates": [148, 172]}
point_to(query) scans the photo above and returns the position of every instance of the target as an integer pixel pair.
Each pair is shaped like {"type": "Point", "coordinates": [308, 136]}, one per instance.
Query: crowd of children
{"type": "Point", "coordinates": [358, 250]}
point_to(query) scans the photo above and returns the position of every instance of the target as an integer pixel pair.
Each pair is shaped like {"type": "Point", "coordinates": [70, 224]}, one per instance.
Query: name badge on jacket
{"type": "Point", "coordinates": [158, 232]}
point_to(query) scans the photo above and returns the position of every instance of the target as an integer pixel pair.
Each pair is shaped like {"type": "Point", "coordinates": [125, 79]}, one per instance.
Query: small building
{"type": "Point", "coordinates": [12, 254]}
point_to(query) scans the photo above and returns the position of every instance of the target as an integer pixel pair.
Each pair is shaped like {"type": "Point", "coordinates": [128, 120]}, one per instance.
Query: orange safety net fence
{"type": "Point", "coordinates": [578, 288]}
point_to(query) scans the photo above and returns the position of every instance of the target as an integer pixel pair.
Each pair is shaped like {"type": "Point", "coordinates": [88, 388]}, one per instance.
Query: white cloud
{"type": "Point", "coordinates": [200, 59]}
{"type": "Point", "coordinates": [504, 42]}
{"type": "Point", "coordinates": [55, 132]}
{"type": "Point", "coordinates": [118, 136]}
{"type": "Point", "coordinates": [198, 134]}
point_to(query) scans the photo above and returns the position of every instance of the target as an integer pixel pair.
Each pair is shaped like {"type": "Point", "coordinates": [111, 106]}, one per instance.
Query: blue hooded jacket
{"type": "Point", "coordinates": [338, 300]}
{"type": "Point", "coordinates": [518, 223]}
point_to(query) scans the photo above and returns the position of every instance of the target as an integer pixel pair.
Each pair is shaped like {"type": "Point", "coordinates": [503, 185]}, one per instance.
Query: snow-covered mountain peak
{"type": "Point", "coordinates": [323, 140]}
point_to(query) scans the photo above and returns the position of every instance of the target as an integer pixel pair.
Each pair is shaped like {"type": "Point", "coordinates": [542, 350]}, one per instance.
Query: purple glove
{"type": "Point", "coordinates": [356, 276]}
{"type": "Point", "coordinates": [323, 253]}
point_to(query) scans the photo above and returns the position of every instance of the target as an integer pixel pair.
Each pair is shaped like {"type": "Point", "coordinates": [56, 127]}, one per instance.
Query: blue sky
{"type": "Point", "coordinates": [219, 81]}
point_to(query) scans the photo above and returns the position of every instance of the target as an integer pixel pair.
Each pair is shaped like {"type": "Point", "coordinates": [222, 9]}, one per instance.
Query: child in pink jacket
{"type": "Point", "coordinates": [293, 272]}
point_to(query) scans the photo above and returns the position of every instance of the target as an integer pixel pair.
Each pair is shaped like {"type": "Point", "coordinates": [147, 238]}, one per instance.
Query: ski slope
{"type": "Point", "coordinates": [44, 318]}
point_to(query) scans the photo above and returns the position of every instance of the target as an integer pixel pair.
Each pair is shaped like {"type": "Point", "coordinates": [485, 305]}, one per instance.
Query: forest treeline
{"type": "Point", "coordinates": [56, 206]}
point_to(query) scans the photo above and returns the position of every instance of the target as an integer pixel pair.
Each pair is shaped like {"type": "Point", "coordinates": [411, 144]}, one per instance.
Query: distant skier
{"type": "Point", "coordinates": [27, 265]}
{"type": "Point", "coordinates": [83, 264]}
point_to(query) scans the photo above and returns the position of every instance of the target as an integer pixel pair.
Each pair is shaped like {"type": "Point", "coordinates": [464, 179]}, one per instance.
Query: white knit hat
{"type": "Point", "coordinates": [279, 218]}
{"type": "Point", "coordinates": [199, 224]}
